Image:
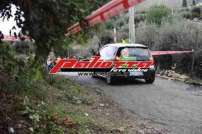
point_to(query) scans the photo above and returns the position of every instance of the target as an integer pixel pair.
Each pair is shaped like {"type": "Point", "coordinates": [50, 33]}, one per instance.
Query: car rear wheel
{"type": "Point", "coordinates": [110, 79]}
{"type": "Point", "coordinates": [150, 80]}
{"type": "Point", "coordinates": [94, 75]}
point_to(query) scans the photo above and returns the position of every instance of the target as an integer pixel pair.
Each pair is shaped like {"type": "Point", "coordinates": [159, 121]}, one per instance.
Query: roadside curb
{"type": "Point", "coordinates": [187, 81]}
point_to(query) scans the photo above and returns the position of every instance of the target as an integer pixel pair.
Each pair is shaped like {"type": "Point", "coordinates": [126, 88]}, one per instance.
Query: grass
{"type": "Point", "coordinates": [49, 108]}
{"type": "Point", "coordinates": [56, 108]}
{"type": "Point", "coordinates": [63, 106]}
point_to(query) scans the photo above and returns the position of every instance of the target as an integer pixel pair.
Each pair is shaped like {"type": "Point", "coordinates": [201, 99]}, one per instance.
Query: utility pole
{"type": "Point", "coordinates": [115, 35]}
{"type": "Point", "coordinates": [132, 25]}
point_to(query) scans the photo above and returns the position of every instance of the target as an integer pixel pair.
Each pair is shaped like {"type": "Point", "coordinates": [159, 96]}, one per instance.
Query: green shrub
{"type": "Point", "coordinates": [157, 13]}
{"type": "Point", "coordinates": [186, 14]}
{"type": "Point", "coordinates": [196, 12]}
{"type": "Point", "coordinates": [40, 117]}
{"type": "Point", "coordinates": [20, 69]}
{"type": "Point", "coordinates": [177, 34]}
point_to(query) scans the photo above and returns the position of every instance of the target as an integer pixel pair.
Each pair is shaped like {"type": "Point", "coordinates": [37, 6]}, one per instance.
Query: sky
{"type": "Point", "coordinates": [6, 25]}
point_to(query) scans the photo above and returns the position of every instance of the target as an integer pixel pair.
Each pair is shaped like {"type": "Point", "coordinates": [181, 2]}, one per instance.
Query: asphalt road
{"type": "Point", "coordinates": [174, 105]}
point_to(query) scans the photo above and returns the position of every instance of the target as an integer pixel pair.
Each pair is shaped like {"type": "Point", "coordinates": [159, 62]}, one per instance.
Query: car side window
{"type": "Point", "coordinates": [107, 53]}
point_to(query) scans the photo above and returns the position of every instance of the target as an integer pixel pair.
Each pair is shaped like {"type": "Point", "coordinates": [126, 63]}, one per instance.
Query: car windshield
{"type": "Point", "coordinates": [132, 53]}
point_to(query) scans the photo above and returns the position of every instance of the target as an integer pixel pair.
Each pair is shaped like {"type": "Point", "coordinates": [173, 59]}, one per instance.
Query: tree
{"type": "Point", "coordinates": [157, 13]}
{"type": "Point", "coordinates": [46, 20]}
{"type": "Point", "coordinates": [184, 3]}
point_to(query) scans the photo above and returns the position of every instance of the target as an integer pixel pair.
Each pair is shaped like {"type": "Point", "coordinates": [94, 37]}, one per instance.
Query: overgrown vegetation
{"type": "Point", "coordinates": [64, 107]}
{"type": "Point", "coordinates": [179, 34]}
{"type": "Point", "coordinates": [175, 33]}
{"type": "Point", "coordinates": [46, 109]}
{"type": "Point", "coordinates": [157, 13]}
{"type": "Point", "coordinates": [50, 114]}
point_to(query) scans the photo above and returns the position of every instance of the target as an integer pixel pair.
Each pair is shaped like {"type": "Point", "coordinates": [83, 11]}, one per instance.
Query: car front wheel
{"type": "Point", "coordinates": [150, 80]}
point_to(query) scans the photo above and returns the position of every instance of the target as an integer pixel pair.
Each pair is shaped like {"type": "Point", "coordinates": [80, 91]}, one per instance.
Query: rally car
{"type": "Point", "coordinates": [127, 52]}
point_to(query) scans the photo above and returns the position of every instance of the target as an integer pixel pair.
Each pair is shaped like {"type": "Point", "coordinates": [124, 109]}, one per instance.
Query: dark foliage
{"type": "Point", "coordinates": [196, 12]}
{"type": "Point", "coordinates": [46, 20]}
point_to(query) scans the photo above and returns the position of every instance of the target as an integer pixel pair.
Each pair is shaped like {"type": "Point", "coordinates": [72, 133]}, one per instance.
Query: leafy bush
{"type": "Point", "coordinates": [18, 70]}
{"type": "Point", "coordinates": [177, 34]}
{"type": "Point", "coordinates": [7, 64]}
{"type": "Point", "coordinates": [146, 34]}
{"type": "Point", "coordinates": [196, 12]}
{"type": "Point", "coordinates": [186, 14]}
{"type": "Point", "coordinates": [41, 118]}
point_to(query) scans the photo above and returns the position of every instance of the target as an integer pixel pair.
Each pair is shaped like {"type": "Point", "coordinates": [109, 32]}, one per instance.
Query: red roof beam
{"type": "Point", "coordinates": [114, 7]}
{"type": "Point", "coordinates": [111, 9]}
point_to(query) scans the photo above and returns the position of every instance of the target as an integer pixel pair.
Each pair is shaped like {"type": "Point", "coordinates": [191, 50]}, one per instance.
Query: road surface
{"type": "Point", "coordinates": [174, 105]}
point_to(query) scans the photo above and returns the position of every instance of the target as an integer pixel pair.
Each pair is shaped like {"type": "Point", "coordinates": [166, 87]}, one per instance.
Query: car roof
{"type": "Point", "coordinates": [126, 45]}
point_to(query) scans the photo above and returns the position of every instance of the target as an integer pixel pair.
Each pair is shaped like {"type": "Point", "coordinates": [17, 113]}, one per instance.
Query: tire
{"type": "Point", "coordinates": [150, 80]}
{"type": "Point", "coordinates": [110, 79]}
{"type": "Point", "coordinates": [94, 75]}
